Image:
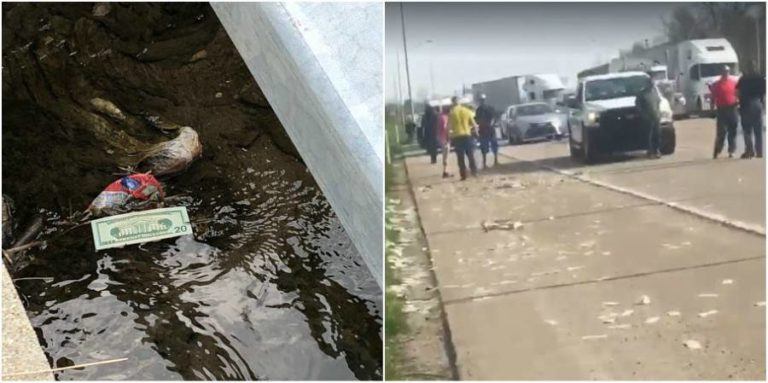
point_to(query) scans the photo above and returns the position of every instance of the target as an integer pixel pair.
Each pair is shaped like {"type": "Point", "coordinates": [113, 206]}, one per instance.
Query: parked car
{"type": "Point", "coordinates": [605, 118]}
{"type": "Point", "coordinates": [532, 121]}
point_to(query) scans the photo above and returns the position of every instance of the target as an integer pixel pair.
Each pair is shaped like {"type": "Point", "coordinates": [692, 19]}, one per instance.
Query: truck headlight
{"type": "Point", "coordinates": [592, 117]}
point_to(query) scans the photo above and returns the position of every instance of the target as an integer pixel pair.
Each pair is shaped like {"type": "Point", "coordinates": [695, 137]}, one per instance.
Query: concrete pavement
{"type": "Point", "coordinates": [555, 299]}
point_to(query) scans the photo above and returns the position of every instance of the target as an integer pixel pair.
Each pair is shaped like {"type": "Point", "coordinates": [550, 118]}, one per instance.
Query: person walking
{"type": "Point", "coordinates": [484, 116]}
{"type": "Point", "coordinates": [751, 88]}
{"type": "Point", "coordinates": [442, 138]}
{"type": "Point", "coordinates": [647, 103]}
{"type": "Point", "coordinates": [462, 126]}
{"type": "Point", "coordinates": [725, 100]}
{"type": "Point", "coordinates": [429, 127]}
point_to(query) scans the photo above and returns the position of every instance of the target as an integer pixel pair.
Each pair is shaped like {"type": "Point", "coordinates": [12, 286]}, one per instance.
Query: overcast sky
{"type": "Point", "coordinates": [476, 42]}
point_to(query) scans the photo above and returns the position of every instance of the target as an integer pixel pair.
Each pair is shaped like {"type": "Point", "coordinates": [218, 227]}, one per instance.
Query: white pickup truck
{"type": "Point", "coordinates": [604, 117]}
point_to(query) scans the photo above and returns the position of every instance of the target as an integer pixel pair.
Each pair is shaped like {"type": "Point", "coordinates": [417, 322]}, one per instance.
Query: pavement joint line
{"type": "Point", "coordinates": [743, 226]}
{"type": "Point", "coordinates": [546, 219]}
{"type": "Point", "coordinates": [598, 280]}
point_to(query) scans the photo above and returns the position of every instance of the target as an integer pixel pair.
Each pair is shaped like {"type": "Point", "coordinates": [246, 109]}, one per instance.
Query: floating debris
{"type": "Point", "coordinates": [760, 304]}
{"type": "Point", "coordinates": [574, 268]}
{"type": "Point", "coordinates": [727, 281]}
{"type": "Point", "coordinates": [708, 295]}
{"type": "Point", "coordinates": [643, 300]}
{"type": "Point", "coordinates": [551, 322]}
{"type": "Point", "coordinates": [592, 337]}
{"type": "Point", "coordinates": [620, 326]}
{"type": "Point", "coordinates": [707, 313]}
{"type": "Point", "coordinates": [652, 320]}
{"type": "Point", "coordinates": [608, 318]}
{"type": "Point", "coordinates": [673, 313]}
{"type": "Point", "coordinates": [692, 344]}
{"type": "Point", "coordinates": [610, 303]}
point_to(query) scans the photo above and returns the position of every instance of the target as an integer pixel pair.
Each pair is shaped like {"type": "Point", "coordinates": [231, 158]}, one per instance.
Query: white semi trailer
{"type": "Point", "coordinates": [502, 92]}
{"type": "Point", "coordinates": [693, 65]}
{"type": "Point", "coordinates": [521, 89]}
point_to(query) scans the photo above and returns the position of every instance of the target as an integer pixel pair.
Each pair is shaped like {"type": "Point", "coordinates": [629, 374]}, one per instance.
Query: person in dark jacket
{"type": "Point", "coordinates": [484, 116]}
{"type": "Point", "coordinates": [647, 103]}
{"type": "Point", "coordinates": [751, 88]}
{"type": "Point", "coordinates": [429, 127]}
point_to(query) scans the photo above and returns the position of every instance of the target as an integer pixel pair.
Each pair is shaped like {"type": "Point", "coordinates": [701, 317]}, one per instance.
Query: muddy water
{"type": "Point", "coordinates": [268, 287]}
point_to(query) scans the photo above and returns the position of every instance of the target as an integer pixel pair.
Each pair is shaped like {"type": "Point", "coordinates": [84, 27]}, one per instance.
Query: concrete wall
{"type": "Point", "coordinates": [320, 67]}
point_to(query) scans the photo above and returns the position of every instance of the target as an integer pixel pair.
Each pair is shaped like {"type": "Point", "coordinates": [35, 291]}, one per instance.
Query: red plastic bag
{"type": "Point", "coordinates": [139, 191]}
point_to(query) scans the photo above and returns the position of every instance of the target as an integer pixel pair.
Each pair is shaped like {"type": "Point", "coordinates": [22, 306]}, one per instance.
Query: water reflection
{"type": "Point", "coordinates": [269, 287]}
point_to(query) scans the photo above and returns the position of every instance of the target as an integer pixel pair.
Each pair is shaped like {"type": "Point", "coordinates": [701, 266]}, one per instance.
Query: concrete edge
{"type": "Point", "coordinates": [21, 350]}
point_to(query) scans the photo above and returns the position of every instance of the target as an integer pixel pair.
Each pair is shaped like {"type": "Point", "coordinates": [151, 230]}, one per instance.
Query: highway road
{"type": "Point", "coordinates": [631, 268]}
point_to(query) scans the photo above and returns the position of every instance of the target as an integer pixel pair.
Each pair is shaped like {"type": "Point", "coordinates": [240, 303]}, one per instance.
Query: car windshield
{"type": "Point", "coordinates": [533, 110]}
{"type": "Point", "coordinates": [614, 87]}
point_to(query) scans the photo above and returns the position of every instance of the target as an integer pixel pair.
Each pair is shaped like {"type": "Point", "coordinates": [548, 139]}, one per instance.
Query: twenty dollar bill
{"type": "Point", "coordinates": [140, 227]}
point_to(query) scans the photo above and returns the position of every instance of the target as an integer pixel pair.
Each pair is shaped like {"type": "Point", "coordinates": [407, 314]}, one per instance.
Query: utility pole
{"type": "Point", "coordinates": [407, 71]}
{"type": "Point", "coordinates": [401, 109]}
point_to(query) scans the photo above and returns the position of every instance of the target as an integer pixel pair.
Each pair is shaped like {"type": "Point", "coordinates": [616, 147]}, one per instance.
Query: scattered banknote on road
{"type": "Point", "coordinates": [140, 227]}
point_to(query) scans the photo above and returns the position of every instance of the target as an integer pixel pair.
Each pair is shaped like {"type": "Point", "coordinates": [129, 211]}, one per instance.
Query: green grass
{"type": "Point", "coordinates": [394, 319]}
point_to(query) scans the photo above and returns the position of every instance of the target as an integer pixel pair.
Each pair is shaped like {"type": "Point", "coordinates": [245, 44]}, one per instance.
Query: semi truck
{"type": "Point", "coordinates": [693, 65]}
{"type": "Point", "coordinates": [502, 92]}
{"type": "Point", "coordinates": [514, 90]}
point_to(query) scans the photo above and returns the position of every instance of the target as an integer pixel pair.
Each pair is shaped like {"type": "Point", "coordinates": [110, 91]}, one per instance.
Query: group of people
{"type": "Point", "coordinates": [744, 98]}
{"type": "Point", "coordinates": [459, 125]}
{"type": "Point", "coordinates": [734, 100]}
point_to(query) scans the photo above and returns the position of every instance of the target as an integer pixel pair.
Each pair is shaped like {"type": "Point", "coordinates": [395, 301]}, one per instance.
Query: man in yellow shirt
{"type": "Point", "coordinates": [462, 128]}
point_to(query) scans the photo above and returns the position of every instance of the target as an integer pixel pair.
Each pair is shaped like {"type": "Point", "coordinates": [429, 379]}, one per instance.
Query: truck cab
{"type": "Point", "coordinates": [605, 119]}
{"type": "Point", "coordinates": [699, 64]}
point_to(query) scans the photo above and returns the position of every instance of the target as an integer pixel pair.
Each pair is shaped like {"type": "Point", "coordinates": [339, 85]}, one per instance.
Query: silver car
{"type": "Point", "coordinates": [533, 121]}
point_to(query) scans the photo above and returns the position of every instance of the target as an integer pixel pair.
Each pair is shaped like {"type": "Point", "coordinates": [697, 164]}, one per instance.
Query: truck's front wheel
{"type": "Point", "coordinates": [575, 152]}
{"type": "Point", "coordinates": [588, 147]}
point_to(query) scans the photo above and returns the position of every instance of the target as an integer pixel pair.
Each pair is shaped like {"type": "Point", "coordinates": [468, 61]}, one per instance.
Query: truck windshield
{"type": "Point", "coordinates": [614, 87]}
{"type": "Point", "coordinates": [713, 70]}
{"type": "Point", "coordinates": [532, 110]}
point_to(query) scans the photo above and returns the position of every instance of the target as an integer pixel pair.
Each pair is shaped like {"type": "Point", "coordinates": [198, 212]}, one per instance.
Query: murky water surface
{"type": "Point", "coordinates": [269, 286]}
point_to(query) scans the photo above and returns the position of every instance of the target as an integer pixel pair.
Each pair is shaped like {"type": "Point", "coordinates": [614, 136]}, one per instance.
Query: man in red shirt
{"type": "Point", "coordinates": [725, 99]}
